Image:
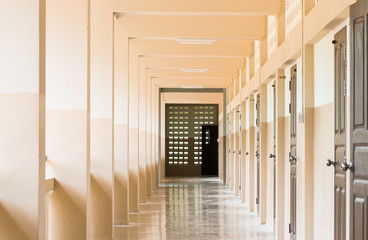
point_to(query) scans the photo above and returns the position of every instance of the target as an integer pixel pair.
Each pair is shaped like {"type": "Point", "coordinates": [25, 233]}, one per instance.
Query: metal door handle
{"type": "Point", "coordinates": [257, 154]}
{"type": "Point", "coordinates": [346, 166]}
{"type": "Point", "coordinates": [272, 155]}
{"type": "Point", "coordinates": [329, 162]}
{"type": "Point", "coordinates": [291, 158]}
{"type": "Point", "coordinates": [246, 153]}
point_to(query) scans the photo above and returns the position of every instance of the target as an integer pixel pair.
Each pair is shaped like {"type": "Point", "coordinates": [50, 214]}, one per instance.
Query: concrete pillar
{"type": "Point", "coordinates": [149, 156]}
{"type": "Point", "coordinates": [263, 157]}
{"type": "Point", "coordinates": [250, 158]}
{"type": "Point", "coordinates": [102, 125]}
{"type": "Point", "coordinates": [236, 152]}
{"type": "Point", "coordinates": [142, 154]}
{"type": "Point", "coordinates": [68, 117]}
{"type": "Point", "coordinates": [305, 129]}
{"type": "Point", "coordinates": [280, 154]}
{"type": "Point", "coordinates": [244, 186]}
{"type": "Point", "coordinates": [22, 127]}
{"type": "Point", "coordinates": [121, 91]}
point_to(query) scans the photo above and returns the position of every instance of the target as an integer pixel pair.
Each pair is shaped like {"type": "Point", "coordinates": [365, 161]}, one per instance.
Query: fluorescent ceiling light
{"type": "Point", "coordinates": [194, 86]}
{"type": "Point", "coordinates": [191, 101]}
{"type": "Point", "coordinates": [195, 41]}
{"type": "Point", "coordinates": [194, 70]}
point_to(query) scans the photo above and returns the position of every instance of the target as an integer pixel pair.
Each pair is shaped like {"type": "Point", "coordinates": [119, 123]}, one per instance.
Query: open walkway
{"type": "Point", "coordinates": [193, 208]}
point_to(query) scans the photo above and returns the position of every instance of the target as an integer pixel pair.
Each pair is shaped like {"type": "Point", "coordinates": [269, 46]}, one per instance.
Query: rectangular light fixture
{"type": "Point", "coordinates": [194, 70]}
{"type": "Point", "coordinates": [195, 41]}
{"type": "Point", "coordinates": [194, 86]}
{"type": "Point", "coordinates": [191, 101]}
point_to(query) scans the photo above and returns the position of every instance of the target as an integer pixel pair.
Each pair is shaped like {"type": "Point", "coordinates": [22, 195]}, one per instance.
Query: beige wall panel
{"type": "Point", "coordinates": [19, 144]}
{"type": "Point", "coordinates": [280, 178]}
{"type": "Point", "coordinates": [121, 176]}
{"type": "Point", "coordinates": [263, 171]}
{"type": "Point", "coordinates": [252, 171]}
{"type": "Point", "coordinates": [66, 135]}
{"type": "Point", "coordinates": [101, 219]}
{"type": "Point", "coordinates": [287, 177]}
{"type": "Point", "coordinates": [270, 174]}
{"type": "Point", "coordinates": [121, 151]}
{"type": "Point", "coordinates": [323, 193]}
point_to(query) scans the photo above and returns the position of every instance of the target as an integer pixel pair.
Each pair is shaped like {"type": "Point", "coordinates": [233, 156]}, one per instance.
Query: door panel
{"type": "Point", "coordinates": [292, 154]}
{"type": "Point", "coordinates": [358, 120]}
{"type": "Point", "coordinates": [340, 135]}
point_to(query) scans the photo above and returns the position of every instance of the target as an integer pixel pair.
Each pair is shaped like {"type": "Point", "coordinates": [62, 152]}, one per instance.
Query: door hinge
{"type": "Point", "coordinates": [257, 201]}
{"type": "Point", "coordinates": [290, 108]}
{"type": "Point", "coordinates": [289, 227]}
{"type": "Point", "coordinates": [345, 88]}
{"type": "Point", "coordinates": [345, 55]}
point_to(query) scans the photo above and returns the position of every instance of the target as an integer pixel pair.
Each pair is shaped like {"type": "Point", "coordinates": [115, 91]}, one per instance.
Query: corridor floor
{"type": "Point", "coordinates": [193, 208]}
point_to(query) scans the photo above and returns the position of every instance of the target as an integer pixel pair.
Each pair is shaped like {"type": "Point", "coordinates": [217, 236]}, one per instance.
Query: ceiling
{"type": "Point", "coordinates": [194, 42]}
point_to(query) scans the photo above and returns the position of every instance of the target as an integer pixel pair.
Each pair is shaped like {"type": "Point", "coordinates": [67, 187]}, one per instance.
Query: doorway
{"type": "Point", "coordinates": [292, 153]}
{"type": "Point", "coordinates": [183, 137]}
{"type": "Point", "coordinates": [209, 150]}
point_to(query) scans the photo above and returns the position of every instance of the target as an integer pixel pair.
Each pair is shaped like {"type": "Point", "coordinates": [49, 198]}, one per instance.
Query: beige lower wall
{"type": "Point", "coordinates": [270, 174]}
{"type": "Point", "coordinates": [133, 169]}
{"type": "Point", "coordinates": [142, 167]}
{"type": "Point", "coordinates": [251, 169]}
{"type": "Point", "coordinates": [66, 148]}
{"type": "Point", "coordinates": [20, 169]}
{"type": "Point", "coordinates": [280, 178]}
{"type": "Point", "coordinates": [244, 185]}
{"type": "Point", "coordinates": [323, 212]}
{"type": "Point", "coordinates": [121, 176]}
{"type": "Point", "coordinates": [287, 178]}
{"type": "Point", "coordinates": [101, 218]}
{"type": "Point", "coordinates": [263, 174]}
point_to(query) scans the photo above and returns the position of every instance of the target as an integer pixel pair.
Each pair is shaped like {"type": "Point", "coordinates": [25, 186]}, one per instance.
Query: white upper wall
{"type": "Point", "coordinates": [18, 58]}
{"type": "Point", "coordinates": [324, 68]}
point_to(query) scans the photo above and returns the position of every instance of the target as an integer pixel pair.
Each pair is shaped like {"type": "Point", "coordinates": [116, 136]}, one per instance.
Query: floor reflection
{"type": "Point", "coordinates": [193, 208]}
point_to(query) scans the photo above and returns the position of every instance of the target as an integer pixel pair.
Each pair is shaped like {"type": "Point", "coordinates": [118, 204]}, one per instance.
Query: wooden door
{"type": "Point", "coordinates": [258, 155]}
{"type": "Point", "coordinates": [340, 135]}
{"type": "Point", "coordinates": [358, 122]}
{"type": "Point", "coordinates": [292, 153]}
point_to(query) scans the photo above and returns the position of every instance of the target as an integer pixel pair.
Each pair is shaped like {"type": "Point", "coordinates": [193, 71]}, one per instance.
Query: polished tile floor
{"type": "Point", "coordinates": [193, 208]}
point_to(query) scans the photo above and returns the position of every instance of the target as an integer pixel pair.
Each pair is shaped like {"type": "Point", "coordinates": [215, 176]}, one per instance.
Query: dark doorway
{"type": "Point", "coordinates": [210, 150]}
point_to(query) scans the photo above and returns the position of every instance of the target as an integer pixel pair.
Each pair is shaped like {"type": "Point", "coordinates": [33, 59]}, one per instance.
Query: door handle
{"type": "Point", "coordinates": [246, 153]}
{"type": "Point", "coordinates": [346, 166]}
{"type": "Point", "coordinates": [272, 155]}
{"type": "Point", "coordinates": [257, 154]}
{"type": "Point", "coordinates": [291, 158]}
{"type": "Point", "coordinates": [329, 162]}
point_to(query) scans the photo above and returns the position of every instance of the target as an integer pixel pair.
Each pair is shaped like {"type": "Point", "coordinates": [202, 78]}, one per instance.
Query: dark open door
{"type": "Point", "coordinates": [292, 153]}
{"type": "Point", "coordinates": [210, 150]}
{"type": "Point", "coordinates": [340, 135]}
{"type": "Point", "coordinates": [258, 125]}
{"type": "Point", "coordinates": [358, 122]}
